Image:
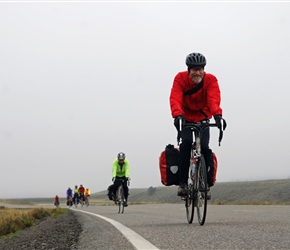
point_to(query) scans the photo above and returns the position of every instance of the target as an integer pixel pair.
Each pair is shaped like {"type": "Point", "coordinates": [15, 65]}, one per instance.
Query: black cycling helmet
{"type": "Point", "coordinates": [195, 60]}
{"type": "Point", "coordinates": [121, 156]}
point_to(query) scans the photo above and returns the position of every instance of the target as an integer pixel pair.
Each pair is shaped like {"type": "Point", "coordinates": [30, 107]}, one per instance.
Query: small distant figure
{"type": "Point", "coordinates": [56, 201]}
{"type": "Point", "coordinates": [87, 196]}
{"type": "Point", "coordinates": [69, 195]}
{"type": "Point", "coordinates": [81, 192]}
{"type": "Point", "coordinates": [76, 195]}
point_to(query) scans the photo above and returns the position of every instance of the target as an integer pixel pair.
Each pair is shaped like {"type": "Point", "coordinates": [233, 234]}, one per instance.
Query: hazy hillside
{"type": "Point", "coordinates": [272, 191]}
{"type": "Point", "coordinates": [248, 191]}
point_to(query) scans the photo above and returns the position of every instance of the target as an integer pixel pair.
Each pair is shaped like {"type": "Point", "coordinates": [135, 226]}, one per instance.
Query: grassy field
{"type": "Point", "coordinates": [13, 220]}
{"type": "Point", "coordinates": [248, 192]}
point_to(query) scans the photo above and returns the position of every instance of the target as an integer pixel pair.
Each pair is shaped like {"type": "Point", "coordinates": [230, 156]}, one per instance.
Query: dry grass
{"type": "Point", "coordinates": [13, 220]}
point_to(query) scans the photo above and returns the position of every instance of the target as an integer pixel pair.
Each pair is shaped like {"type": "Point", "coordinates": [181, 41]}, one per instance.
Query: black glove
{"type": "Point", "coordinates": [218, 120]}
{"type": "Point", "coordinates": [177, 121]}
{"type": "Point", "coordinates": [113, 179]}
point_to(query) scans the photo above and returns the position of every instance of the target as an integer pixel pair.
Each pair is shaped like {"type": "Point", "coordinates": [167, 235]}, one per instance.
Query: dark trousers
{"type": "Point", "coordinates": [185, 150]}
{"type": "Point", "coordinates": [124, 184]}
{"type": "Point", "coordinates": [76, 198]}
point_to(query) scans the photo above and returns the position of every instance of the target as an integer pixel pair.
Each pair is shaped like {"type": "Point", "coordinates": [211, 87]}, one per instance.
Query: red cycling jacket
{"type": "Point", "coordinates": [81, 190]}
{"type": "Point", "coordinates": [198, 106]}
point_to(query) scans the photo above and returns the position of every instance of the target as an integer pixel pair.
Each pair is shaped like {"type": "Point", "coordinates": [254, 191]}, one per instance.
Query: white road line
{"type": "Point", "coordinates": [136, 240]}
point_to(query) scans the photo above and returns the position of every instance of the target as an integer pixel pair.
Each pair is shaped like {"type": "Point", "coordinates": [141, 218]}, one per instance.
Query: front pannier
{"type": "Point", "coordinates": [168, 165]}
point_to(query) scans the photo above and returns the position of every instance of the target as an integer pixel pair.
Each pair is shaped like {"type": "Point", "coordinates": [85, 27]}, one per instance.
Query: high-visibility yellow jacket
{"type": "Point", "coordinates": [121, 170]}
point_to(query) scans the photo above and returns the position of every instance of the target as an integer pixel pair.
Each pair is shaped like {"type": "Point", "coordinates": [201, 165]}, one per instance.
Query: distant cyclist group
{"type": "Point", "coordinates": [78, 195]}
{"type": "Point", "coordinates": [120, 176]}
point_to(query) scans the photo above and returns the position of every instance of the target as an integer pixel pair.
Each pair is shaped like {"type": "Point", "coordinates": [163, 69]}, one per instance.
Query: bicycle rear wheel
{"type": "Point", "coordinates": [189, 203]}
{"type": "Point", "coordinates": [120, 198]}
{"type": "Point", "coordinates": [201, 203]}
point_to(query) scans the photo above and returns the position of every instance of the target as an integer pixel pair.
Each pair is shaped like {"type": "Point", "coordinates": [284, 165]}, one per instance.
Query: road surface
{"type": "Point", "coordinates": [164, 226]}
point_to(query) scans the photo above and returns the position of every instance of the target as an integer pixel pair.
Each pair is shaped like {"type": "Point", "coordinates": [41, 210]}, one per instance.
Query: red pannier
{"type": "Point", "coordinates": [215, 166]}
{"type": "Point", "coordinates": [168, 165]}
{"type": "Point", "coordinates": [211, 177]}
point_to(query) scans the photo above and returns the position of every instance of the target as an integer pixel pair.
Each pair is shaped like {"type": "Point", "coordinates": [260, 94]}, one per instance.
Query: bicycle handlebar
{"type": "Point", "coordinates": [200, 126]}
{"type": "Point", "coordinates": [123, 180]}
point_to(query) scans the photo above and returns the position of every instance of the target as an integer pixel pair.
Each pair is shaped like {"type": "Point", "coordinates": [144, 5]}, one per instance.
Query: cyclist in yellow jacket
{"type": "Point", "coordinates": [87, 195]}
{"type": "Point", "coordinates": [76, 195]}
{"type": "Point", "coordinates": [121, 171]}
{"type": "Point", "coordinates": [87, 192]}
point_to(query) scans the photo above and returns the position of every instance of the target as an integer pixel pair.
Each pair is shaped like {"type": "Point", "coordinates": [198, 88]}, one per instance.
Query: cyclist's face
{"type": "Point", "coordinates": [121, 160]}
{"type": "Point", "coordinates": [196, 74]}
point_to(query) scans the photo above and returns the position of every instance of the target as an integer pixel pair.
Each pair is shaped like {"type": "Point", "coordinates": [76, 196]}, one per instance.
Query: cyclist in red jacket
{"type": "Point", "coordinates": [56, 201]}
{"type": "Point", "coordinates": [195, 96]}
{"type": "Point", "coordinates": [81, 192]}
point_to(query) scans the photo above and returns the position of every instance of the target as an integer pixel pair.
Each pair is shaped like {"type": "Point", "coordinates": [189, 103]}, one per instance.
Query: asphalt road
{"type": "Point", "coordinates": [164, 226]}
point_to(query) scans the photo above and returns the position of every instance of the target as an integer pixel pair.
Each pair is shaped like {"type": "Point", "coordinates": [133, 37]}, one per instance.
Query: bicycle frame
{"type": "Point", "coordinates": [197, 174]}
{"type": "Point", "coordinates": [119, 200]}
{"type": "Point", "coordinates": [82, 199]}
{"type": "Point", "coordinates": [56, 203]}
{"type": "Point", "coordinates": [70, 201]}
{"type": "Point", "coordinates": [87, 201]}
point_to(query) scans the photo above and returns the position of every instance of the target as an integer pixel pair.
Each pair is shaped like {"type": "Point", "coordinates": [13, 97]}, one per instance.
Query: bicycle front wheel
{"type": "Point", "coordinates": [201, 197]}
{"type": "Point", "coordinates": [189, 204]}
{"type": "Point", "coordinates": [120, 199]}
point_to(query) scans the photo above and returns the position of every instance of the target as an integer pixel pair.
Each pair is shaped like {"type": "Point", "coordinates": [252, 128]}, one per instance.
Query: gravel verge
{"type": "Point", "coordinates": [61, 232]}
{"type": "Point", "coordinates": [101, 235]}
{"type": "Point", "coordinates": [72, 230]}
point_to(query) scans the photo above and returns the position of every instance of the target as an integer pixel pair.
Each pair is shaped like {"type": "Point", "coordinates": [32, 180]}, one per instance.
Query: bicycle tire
{"type": "Point", "coordinates": [189, 199]}
{"type": "Point", "coordinates": [201, 195]}
{"type": "Point", "coordinates": [189, 204]}
{"type": "Point", "coordinates": [120, 198]}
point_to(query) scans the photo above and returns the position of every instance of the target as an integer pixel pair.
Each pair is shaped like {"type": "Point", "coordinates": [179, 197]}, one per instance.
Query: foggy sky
{"type": "Point", "coordinates": [82, 81]}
